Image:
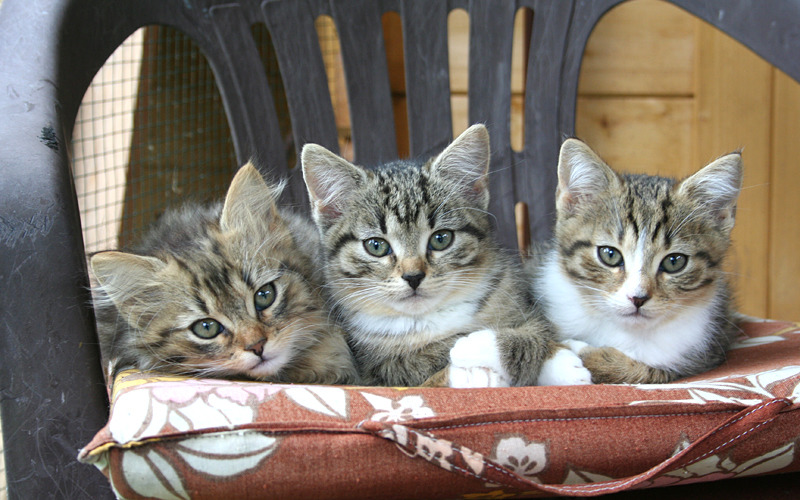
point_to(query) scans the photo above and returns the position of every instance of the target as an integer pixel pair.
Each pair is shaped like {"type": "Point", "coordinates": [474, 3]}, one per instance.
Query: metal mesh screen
{"type": "Point", "coordinates": [152, 133]}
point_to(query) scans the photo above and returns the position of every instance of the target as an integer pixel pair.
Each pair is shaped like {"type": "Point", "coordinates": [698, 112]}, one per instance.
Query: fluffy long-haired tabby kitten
{"type": "Point", "coordinates": [636, 271]}
{"type": "Point", "coordinates": [224, 290]}
{"type": "Point", "coordinates": [412, 268]}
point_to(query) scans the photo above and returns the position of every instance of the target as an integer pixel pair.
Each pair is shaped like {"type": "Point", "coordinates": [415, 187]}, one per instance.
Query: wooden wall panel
{"type": "Point", "coordinates": [639, 134]}
{"type": "Point", "coordinates": [784, 255]}
{"type": "Point", "coordinates": [644, 47]}
{"type": "Point", "coordinates": [733, 93]}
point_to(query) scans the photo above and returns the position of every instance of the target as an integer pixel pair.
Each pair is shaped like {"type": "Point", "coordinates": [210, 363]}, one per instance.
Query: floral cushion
{"type": "Point", "coordinates": [173, 437]}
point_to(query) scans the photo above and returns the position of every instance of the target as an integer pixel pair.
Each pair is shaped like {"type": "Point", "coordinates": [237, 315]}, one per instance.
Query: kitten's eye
{"type": "Point", "coordinates": [441, 239]}
{"type": "Point", "coordinates": [610, 256]}
{"type": "Point", "coordinates": [674, 262]}
{"type": "Point", "coordinates": [265, 296]}
{"type": "Point", "coordinates": [377, 247]}
{"type": "Point", "coordinates": [207, 328]}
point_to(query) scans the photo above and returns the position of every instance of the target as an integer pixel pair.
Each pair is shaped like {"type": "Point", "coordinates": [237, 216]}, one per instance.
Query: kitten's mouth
{"type": "Point", "coordinates": [637, 316]}
{"type": "Point", "coordinates": [268, 364]}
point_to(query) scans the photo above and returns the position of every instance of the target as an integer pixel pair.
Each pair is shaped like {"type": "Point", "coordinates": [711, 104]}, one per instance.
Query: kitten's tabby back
{"type": "Point", "coordinates": [226, 290]}
{"type": "Point", "coordinates": [411, 267]}
{"type": "Point", "coordinates": [636, 267]}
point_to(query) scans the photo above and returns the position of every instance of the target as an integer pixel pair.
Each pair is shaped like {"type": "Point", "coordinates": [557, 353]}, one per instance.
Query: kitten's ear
{"type": "Point", "coordinates": [465, 164]}
{"type": "Point", "coordinates": [716, 187]}
{"type": "Point", "coordinates": [250, 201]}
{"type": "Point", "coordinates": [123, 275]}
{"type": "Point", "coordinates": [582, 175]}
{"type": "Point", "coordinates": [330, 180]}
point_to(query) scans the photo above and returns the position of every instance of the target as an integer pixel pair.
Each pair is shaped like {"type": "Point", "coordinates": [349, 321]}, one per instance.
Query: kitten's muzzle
{"type": "Point", "coordinates": [414, 279]}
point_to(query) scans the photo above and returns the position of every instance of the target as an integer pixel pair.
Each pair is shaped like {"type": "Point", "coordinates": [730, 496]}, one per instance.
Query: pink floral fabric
{"type": "Point", "coordinates": [176, 438]}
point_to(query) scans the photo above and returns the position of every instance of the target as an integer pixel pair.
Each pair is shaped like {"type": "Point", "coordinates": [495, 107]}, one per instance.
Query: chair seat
{"type": "Point", "coordinates": [177, 437]}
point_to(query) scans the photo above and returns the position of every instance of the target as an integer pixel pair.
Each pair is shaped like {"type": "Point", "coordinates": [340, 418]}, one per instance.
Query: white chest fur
{"type": "Point", "coordinates": [412, 330]}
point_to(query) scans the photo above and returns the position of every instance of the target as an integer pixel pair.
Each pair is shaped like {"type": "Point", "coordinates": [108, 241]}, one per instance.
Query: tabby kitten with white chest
{"type": "Point", "coordinates": [635, 275]}
{"type": "Point", "coordinates": [221, 290]}
{"type": "Point", "coordinates": [416, 278]}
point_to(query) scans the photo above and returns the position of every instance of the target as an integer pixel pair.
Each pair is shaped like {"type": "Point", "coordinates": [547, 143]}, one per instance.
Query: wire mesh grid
{"type": "Point", "coordinates": [151, 131]}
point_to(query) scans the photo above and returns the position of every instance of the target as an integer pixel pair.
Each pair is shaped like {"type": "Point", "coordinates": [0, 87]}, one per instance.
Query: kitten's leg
{"type": "Point", "coordinates": [611, 366]}
{"type": "Point", "coordinates": [564, 368]}
{"type": "Point", "coordinates": [438, 379]}
{"type": "Point", "coordinates": [532, 358]}
{"type": "Point", "coordinates": [475, 361]}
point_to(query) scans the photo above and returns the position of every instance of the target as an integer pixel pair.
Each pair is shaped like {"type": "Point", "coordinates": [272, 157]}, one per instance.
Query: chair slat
{"type": "Point", "coordinates": [545, 102]}
{"type": "Point", "coordinates": [364, 58]}
{"type": "Point", "coordinates": [246, 91]}
{"type": "Point", "coordinates": [427, 76]}
{"type": "Point", "coordinates": [491, 34]}
{"type": "Point", "coordinates": [294, 36]}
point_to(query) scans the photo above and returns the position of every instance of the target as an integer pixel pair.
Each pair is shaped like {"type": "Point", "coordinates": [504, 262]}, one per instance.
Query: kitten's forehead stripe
{"type": "Point", "coordinates": [707, 257]}
{"type": "Point", "coordinates": [631, 209]}
{"type": "Point", "coordinates": [382, 221]}
{"type": "Point", "coordinates": [201, 304]}
{"type": "Point", "coordinates": [341, 241]}
{"type": "Point", "coordinates": [706, 282]}
{"type": "Point", "coordinates": [472, 230]}
{"type": "Point", "coordinates": [575, 246]}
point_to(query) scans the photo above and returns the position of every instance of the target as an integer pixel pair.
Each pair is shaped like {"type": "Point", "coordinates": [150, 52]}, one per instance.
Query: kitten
{"type": "Point", "coordinates": [223, 290]}
{"type": "Point", "coordinates": [635, 270]}
{"type": "Point", "coordinates": [412, 267]}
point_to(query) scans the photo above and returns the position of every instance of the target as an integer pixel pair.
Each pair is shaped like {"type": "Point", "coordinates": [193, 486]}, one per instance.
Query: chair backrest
{"type": "Point", "coordinates": [53, 397]}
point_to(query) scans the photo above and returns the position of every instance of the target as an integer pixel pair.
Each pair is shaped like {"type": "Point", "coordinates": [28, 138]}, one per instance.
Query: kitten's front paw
{"type": "Point", "coordinates": [475, 362]}
{"type": "Point", "coordinates": [564, 368]}
{"type": "Point", "coordinates": [575, 346]}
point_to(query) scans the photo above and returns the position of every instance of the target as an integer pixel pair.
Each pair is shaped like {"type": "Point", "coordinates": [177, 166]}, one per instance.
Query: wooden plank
{"type": "Point", "coordinates": [784, 238]}
{"type": "Point", "coordinates": [460, 111]}
{"type": "Point", "coordinates": [367, 75]}
{"type": "Point", "coordinates": [295, 38]}
{"type": "Point", "coordinates": [458, 49]}
{"type": "Point", "coordinates": [640, 48]}
{"type": "Point", "coordinates": [427, 85]}
{"type": "Point", "coordinates": [733, 97]}
{"type": "Point", "coordinates": [651, 135]}
{"type": "Point", "coordinates": [491, 30]}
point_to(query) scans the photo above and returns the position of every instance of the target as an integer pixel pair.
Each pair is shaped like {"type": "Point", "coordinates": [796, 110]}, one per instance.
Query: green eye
{"type": "Point", "coordinates": [441, 239]}
{"type": "Point", "coordinates": [674, 262]}
{"type": "Point", "coordinates": [377, 247]}
{"type": "Point", "coordinates": [610, 256]}
{"type": "Point", "coordinates": [207, 328]}
{"type": "Point", "coordinates": [265, 296]}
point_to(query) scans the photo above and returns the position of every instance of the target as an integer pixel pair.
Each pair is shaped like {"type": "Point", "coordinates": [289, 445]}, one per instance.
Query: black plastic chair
{"type": "Point", "coordinates": [52, 390]}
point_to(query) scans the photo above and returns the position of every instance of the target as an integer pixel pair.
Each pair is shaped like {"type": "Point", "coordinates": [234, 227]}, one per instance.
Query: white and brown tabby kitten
{"type": "Point", "coordinates": [412, 268]}
{"type": "Point", "coordinates": [635, 270]}
{"type": "Point", "coordinates": [222, 290]}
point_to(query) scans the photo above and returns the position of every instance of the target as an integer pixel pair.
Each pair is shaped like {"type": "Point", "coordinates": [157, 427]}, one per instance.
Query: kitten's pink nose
{"type": "Point", "coordinates": [257, 348]}
{"type": "Point", "coordinates": [414, 279]}
{"type": "Point", "coordinates": [639, 300]}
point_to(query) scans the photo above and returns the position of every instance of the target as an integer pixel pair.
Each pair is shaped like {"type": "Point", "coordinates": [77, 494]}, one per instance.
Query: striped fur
{"type": "Point", "coordinates": [203, 262]}
{"type": "Point", "coordinates": [403, 311]}
{"type": "Point", "coordinates": [655, 325]}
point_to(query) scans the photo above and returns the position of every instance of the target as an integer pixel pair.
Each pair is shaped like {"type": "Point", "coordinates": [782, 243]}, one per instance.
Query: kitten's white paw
{"type": "Point", "coordinates": [475, 362]}
{"type": "Point", "coordinates": [564, 368]}
{"type": "Point", "coordinates": [575, 346]}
